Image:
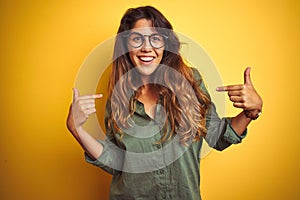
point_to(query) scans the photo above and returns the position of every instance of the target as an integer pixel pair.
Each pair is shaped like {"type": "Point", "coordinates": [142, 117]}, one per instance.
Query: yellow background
{"type": "Point", "coordinates": [43, 44]}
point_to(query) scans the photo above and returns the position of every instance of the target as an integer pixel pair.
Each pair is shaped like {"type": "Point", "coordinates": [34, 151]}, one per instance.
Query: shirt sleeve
{"type": "Point", "coordinates": [220, 133]}
{"type": "Point", "coordinates": [112, 156]}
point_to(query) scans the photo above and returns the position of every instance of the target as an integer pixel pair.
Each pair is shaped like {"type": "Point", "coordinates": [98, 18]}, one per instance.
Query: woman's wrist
{"type": "Point", "coordinates": [253, 114]}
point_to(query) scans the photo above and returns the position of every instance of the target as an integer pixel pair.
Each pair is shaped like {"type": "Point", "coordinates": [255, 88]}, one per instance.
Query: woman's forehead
{"type": "Point", "coordinates": [144, 27]}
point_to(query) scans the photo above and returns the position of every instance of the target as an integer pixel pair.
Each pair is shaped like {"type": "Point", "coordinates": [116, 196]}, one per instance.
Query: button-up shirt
{"type": "Point", "coordinates": [143, 169]}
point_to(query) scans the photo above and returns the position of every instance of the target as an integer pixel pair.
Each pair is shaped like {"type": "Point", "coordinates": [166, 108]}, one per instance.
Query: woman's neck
{"type": "Point", "coordinates": [149, 97]}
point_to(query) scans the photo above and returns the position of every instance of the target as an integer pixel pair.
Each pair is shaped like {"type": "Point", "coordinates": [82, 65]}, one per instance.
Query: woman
{"type": "Point", "coordinates": [157, 114]}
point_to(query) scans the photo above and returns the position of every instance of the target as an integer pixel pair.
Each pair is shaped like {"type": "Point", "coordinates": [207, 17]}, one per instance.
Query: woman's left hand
{"type": "Point", "coordinates": [244, 95]}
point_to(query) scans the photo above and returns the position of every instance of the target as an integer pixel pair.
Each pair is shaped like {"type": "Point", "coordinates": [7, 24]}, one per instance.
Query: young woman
{"type": "Point", "coordinates": [157, 114]}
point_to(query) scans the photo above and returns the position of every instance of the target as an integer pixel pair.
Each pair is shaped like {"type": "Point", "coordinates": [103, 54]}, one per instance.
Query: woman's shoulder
{"type": "Point", "coordinates": [196, 74]}
{"type": "Point", "coordinates": [198, 79]}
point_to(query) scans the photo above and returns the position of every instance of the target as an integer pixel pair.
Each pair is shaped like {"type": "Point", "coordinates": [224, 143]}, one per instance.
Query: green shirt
{"type": "Point", "coordinates": [143, 169]}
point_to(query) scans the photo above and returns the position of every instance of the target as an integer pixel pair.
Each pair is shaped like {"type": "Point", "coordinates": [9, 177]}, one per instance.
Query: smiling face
{"type": "Point", "coordinates": [145, 58]}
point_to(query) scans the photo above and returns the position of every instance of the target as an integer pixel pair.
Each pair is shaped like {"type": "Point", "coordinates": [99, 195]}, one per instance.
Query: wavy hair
{"type": "Point", "coordinates": [185, 114]}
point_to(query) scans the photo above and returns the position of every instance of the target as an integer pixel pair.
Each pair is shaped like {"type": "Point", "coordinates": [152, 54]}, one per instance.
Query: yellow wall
{"type": "Point", "coordinates": [43, 44]}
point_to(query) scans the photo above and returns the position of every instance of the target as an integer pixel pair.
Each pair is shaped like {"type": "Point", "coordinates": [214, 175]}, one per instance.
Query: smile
{"type": "Point", "coordinates": [146, 58]}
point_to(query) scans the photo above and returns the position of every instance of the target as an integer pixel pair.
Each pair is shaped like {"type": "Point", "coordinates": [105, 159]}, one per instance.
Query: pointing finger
{"type": "Point", "coordinates": [229, 88]}
{"type": "Point", "coordinates": [93, 96]}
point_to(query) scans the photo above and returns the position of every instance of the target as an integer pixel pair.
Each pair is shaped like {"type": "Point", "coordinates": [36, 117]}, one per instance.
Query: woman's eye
{"type": "Point", "coordinates": [137, 39]}
{"type": "Point", "coordinates": [156, 38]}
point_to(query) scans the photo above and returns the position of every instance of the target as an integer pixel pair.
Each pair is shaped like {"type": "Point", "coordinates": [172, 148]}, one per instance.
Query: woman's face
{"type": "Point", "coordinates": [145, 57]}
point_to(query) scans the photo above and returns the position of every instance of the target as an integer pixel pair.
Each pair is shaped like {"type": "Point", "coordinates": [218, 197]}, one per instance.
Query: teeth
{"type": "Point", "coordinates": [147, 59]}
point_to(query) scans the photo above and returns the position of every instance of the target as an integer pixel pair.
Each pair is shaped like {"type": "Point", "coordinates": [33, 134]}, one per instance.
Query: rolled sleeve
{"type": "Point", "coordinates": [220, 133]}
{"type": "Point", "coordinates": [110, 160]}
{"type": "Point", "coordinates": [231, 136]}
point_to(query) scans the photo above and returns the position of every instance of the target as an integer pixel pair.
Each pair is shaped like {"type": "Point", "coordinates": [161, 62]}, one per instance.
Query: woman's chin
{"type": "Point", "coordinates": [146, 70]}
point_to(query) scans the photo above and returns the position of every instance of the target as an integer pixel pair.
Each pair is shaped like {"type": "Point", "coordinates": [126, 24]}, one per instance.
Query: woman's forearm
{"type": "Point", "coordinates": [91, 146]}
{"type": "Point", "coordinates": [240, 122]}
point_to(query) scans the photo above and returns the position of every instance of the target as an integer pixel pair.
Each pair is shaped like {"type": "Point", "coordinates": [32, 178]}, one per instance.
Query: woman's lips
{"type": "Point", "coordinates": [146, 59]}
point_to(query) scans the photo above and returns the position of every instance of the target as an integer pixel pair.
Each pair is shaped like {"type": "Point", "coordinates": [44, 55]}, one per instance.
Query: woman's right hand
{"type": "Point", "coordinates": [80, 110]}
{"type": "Point", "coordinates": [82, 107]}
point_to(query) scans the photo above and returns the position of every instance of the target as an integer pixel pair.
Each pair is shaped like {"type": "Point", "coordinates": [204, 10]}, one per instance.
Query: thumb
{"type": "Point", "coordinates": [247, 79]}
{"type": "Point", "coordinates": [75, 93]}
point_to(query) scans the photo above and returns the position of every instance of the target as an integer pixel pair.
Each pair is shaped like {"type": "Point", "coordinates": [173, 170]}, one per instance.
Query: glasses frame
{"type": "Point", "coordinates": [144, 38]}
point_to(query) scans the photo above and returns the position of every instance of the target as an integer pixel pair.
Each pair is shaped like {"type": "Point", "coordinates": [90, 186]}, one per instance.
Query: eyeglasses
{"type": "Point", "coordinates": [156, 40]}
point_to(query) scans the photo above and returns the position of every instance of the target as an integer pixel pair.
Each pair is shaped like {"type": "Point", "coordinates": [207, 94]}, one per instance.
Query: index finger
{"type": "Point", "coordinates": [229, 88]}
{"type": "Point", "coordinates": [93, 96]}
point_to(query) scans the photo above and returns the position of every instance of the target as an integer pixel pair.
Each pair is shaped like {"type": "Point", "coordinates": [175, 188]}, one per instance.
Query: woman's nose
{"type": "Point", "coordinates": [146, 45]}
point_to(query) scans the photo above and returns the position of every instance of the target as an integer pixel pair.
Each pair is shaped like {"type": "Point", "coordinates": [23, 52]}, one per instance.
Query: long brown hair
{"type": "Point", "coordinates": [185, 115]}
